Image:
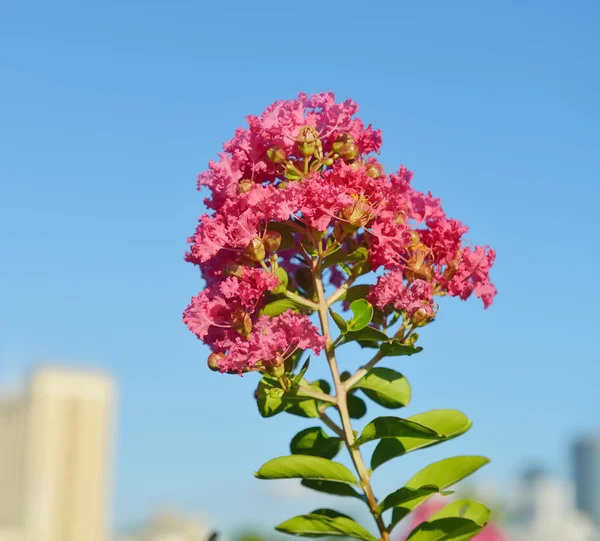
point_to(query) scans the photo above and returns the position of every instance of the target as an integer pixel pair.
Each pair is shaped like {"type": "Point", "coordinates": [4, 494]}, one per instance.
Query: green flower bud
{"type": "Point", "coordinates": [255, 250]}
{"type": "Point", "coordinates": [328, 161]}
{"type": "Point", "coordinates": [272, 241]}
{"type": "Point", "coordinates": [276, 154]}
{"type": "Point", "coordinates": [415, 238]}
{"type": "Point", "coordinates": [340, 141]}
{"type": "Point", "coordinates": [233, 269]}
{"type": "Point", "coordinates": [282, 185]}
{"type": "Point", "coordinates": [422, 316]}
{"type": "Point", "coordinates": [349, 152]}
{"type": "Point", "coordinates": [213, 361]}
{"type": "Point", "coordinates": [307, 141]}
{"type": "Point", "coordinates": [245, 185]}
{"type": "Point", "coordinates": [374, 170]}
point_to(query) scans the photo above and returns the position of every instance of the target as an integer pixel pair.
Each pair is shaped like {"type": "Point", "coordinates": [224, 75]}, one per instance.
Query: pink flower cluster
{"type": "Point", "coordinates": [306, 168]}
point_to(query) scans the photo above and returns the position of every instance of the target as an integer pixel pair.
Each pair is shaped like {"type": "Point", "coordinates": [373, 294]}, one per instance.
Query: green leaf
{"type": "Point", "coordinates": [367, 333]}
{"type": "Point", "coordinates": [368, 344]}
{"type": "Point", "coordinates": [306, 467]}
{"type": "Point", "coordinates": [445, 529]}
{"type": "Point", "coordinates": [407, 498]}
{"type": "Point", "coordinates": [385, 386]}
{"type": "Point", "coordinates": [296, 404]}
{"type": "Point", "coordinates": [339, 321]}
{"type": "Point", "coordinates": [447, 472]}
{"type": "Point", "coordinates": [324, 523]}
{"type": "Point", "coordinates": [283, 280]}
{"type": "Point", "coordinates": [339, 256]}
{"type": "Point", "coordinates": [475, 511]}
{"type": "Point", "coordinates": [356, 292]}
{"type": "Point", "coordinates": [269, 397]}
{"type": "Point", "coordinates": [300, 374]}
{"type": "Point", "coordinates": [458, 521]}
{"type": "Point", "coordinates": [280, 306]}
{"type": "Point", "coordinates": [396, 348]}
{"type": "Point", "coordinates": [314, 441]}
{"type": "Point", "coordinates": [394, 427]}
{"type": "Point", "coordinates": [442, 474]}
{"type": "Point", "coordinates": [363, 314]}
{"type": "Point", "coordinates": [330, 487]}
{"type": "Point", "coordinates": [356, 407]}
{"type": "Point", "coordinates": [447, 423]}
{"type": "Point", "coordinates": [291, 173]}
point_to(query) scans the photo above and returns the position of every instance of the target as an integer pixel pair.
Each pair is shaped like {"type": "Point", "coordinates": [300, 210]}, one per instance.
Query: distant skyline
{"type": "Point", "coordinates": [109, 111]}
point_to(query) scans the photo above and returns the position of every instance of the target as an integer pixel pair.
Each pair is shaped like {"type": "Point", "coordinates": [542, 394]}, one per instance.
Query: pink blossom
{"type": "Point", "coordinates": [335, 193]}
{"type": "Point", "coordinates": [219, 303]}
{"type": "Point", "coordinates": [271, 340]}
{"type": "Point", "coordinates": [391, 290]}
{"type": "Point", "coordinates": [472, 274]}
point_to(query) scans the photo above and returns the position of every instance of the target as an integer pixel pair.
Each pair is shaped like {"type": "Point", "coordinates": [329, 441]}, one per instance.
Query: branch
{"type": "Point", "coordinates": [311, 392]}
{"type": "Point", "coordinates": [301, 300]}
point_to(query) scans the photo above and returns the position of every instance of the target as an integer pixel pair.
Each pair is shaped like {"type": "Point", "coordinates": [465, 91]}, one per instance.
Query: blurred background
{"type": "Point", "coordinates": [111, 427]}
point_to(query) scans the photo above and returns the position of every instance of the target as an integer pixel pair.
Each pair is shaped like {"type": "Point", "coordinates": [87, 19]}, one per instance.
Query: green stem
{"type": "Point", "coordinates": [362, 371]}
{"type": "Point", "coordinates": [309, 392]}
{"type": "Point", "coordinates": [341, 291]}
{"type": "Point", "coordinates": [342, 404]}
{"type": "Point", "coordinates": [330, 422]}
{"type": "Point", "coordinates": [301, 300]}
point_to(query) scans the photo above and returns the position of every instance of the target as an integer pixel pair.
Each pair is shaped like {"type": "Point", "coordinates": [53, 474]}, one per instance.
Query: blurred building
{"type": "Point", "coordinates": [167, 526]}
{"type": "Point", "coordinates": [545, 511]}
{"type": "Point", "coordinates": [55, 449]}
{"type": "Point", "coordinates": [586, 459]}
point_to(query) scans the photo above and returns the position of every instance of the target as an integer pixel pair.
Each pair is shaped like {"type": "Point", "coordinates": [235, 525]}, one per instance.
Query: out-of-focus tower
{"type": "Point", "coordinates": [586, 458]}
{"type": "Point", "coordinates": [13, 426]}
{"type": "Point", "coordinates": [68, 459]}
{"type": "Point", "coordinates": [55, 458]}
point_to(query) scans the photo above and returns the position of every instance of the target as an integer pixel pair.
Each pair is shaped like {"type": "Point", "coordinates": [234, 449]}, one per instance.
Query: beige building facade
{"type": "Point", "coordinates": [55, 457]}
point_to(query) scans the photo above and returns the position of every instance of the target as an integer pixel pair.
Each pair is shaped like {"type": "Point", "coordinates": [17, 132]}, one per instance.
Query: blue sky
{"type": "Point", "coordinates": [110, 109]}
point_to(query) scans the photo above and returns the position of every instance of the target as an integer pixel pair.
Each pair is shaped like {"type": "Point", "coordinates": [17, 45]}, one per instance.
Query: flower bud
{"type": "Point", "coordinates": [349, 152]}
{"type": "Point", "coordinates": [328, 162]}
{"type": "Point", "coordinates": [233, 269]}
{"type": "Point", "coordinates": [276, 154]}
{"type": "Point", "coordinates": [307, 141]}
{"type": "Point", "coordinates": [241, 321]}
{"type": "Point", "coordinates": [415, 239]}
{"type": "Point", "coordinates": [255, 250]}
{"type": "Point", "coordinates": [374, 170]}
{"type": "Point", "coordinates": [272, 241]}
{"type": "Point", "coordinates": [419, 316]}
{"type": "Point", "coordinates": [340, 141]}
{"type": "Point", "coordinates": [245, 185]}
{"type": "Point", "coordinates": [282, 185]}
{"type": "Point", "coordinates": [214, 360]}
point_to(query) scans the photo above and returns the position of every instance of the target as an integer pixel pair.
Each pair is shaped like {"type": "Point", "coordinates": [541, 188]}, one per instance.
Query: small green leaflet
{"type": "Point", "coordinates": [385, 386]}
{"type": "Point", "coordinates": [306, 467]}
{"type": "Point", "coordinates": [324, 523]}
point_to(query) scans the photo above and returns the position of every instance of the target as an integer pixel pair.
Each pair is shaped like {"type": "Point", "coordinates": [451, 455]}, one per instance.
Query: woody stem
{"type": "Point", "coordinates": [347, 433]}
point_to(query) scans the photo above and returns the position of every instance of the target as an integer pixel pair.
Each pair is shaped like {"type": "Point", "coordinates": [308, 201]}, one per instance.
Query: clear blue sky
{"type": "Point", "coordinates": [108, 110]}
